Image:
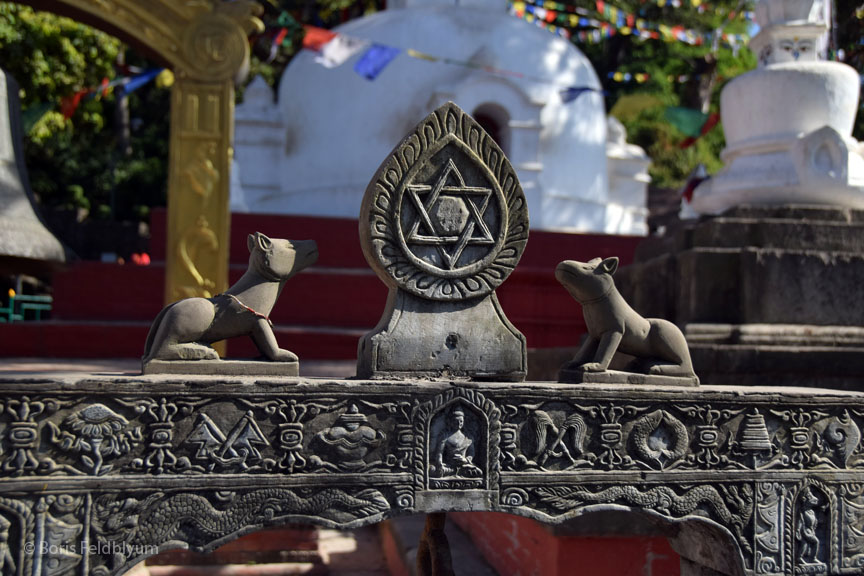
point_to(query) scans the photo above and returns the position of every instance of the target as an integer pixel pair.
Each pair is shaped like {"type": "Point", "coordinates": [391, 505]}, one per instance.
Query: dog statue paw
{"type": "Point", "coordinates": [658, 346]}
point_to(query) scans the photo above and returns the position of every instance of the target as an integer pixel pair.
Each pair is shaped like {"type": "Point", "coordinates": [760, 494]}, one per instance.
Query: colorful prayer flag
{"type": "Point", "coordinates": [421, 55]}
{"type": "Point", "coordinates": [137, 82]}
{"type": "Point", "coordinates": [686, 120]}
{"type": "Point", "coordinates": [316, 38]}
{"type": "Point", "coordinates": [339, 50]}
{"type": "Point", "coordinates": [69, 104]}
{"type": "Point", "coordinates": [374, 60]}
{"type": "Point", "coordinates": [277, 41]}
{"type": "Point", "coordinates": [573, 92]}
{"type": "Point", "coordinates": [32, 115]}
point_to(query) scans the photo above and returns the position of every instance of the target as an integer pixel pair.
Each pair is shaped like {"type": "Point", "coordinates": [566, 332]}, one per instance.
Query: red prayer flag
{"type": "Point", "coordinates": [69, 104]}
{"type": "Point", "coordinates": [316, 38]}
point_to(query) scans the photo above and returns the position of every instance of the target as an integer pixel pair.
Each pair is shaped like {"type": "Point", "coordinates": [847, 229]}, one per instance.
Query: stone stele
{"type": "Point", "coordinates": [180, 337]}
{"type": "Point", "coordinates": [659, 350]}
{"type": "Point", "coordinates": [443, 223]}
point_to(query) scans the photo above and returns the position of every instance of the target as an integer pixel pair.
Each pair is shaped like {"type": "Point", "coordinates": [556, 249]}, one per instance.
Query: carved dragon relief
{"type": "Point", "coordinates": [546, 453]}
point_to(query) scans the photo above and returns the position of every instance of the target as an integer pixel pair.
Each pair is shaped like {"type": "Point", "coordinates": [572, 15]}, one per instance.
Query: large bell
{"type": "Point", "coordinates": [26, 245]}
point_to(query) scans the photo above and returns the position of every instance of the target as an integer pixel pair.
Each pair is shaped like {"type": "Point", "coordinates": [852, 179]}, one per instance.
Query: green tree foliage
{"type": "Point", "coordinates": [82, 162]}
{"type": "Point", "coordinates": [850, 40]}
{"type": "Point", "coordinates": [680, 75]}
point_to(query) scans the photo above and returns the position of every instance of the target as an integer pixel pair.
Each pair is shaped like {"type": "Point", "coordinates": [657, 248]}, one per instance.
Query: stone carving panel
{"type": "Point", "coordinates": [783, 476]}
{"type": "Point", "coordinates": [443, 223]}
{"type": "Point", "coordinates": [445, 217]}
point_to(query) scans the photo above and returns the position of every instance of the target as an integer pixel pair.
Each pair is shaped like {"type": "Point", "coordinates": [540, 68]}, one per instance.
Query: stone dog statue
{"type": "Point", "coordinates": [658, 345]}
{"type": "Point", "coordinates": [183, 330]}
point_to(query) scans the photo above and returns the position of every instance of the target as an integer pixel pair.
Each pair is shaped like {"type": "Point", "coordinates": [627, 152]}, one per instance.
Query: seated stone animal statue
{"type": "Point", "coordinates": [185, 329]}
{"type": "Point", "coordinates": [658, 345]}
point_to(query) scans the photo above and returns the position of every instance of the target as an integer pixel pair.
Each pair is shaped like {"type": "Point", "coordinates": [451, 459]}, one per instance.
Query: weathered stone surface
{"type": "Point", "coordinates": [222, 367]}
{"type": "Point", "coordinates": [812, 287]}
{"type": "Point", "coordinates": [443, 223]}
{"type": "Point", "coordinates": [725, 232]}
{"type": "Point", "coordinates": [629, 378]}
{"type": "Point", "coordinates": [641, 286]}
{"type": "Point", "coordinates": [773, 365]}
{"type": "Point", "coordinates": [451, 339]}
{"type": "Point", "coordinates": [806, 212]}
{"type": "Point", "coordinates": [776, 335]}
{"type": "Point", "coordinates": [708, 286]}
{"type": "Point", "coordinates": [109, 469]}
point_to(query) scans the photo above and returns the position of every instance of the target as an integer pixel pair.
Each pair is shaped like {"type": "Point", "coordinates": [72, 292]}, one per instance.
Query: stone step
{"type": "Point", "coordinates": [825, 228]}
{"type": "Point", "coordinates": [807, 212]}
{"type": "Point", "coordinates": [776, 335]}
{"type": "Point", "coordinates": [834, 367]}
{"type": "Point", "coordinates": [726, 232]}
{"type": "Point", "coordinates": [748, 286]}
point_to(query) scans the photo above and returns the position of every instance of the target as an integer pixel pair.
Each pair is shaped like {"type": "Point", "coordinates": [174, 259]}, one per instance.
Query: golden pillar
{"type": "Point", "coordinates": [206, 43]}
{"type": "Point", "coordinates": [215, 49]}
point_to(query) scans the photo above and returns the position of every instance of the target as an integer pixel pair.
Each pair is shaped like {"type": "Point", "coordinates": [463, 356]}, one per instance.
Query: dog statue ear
{"type": "Point", "coordinates": [260, 239]}
{"type": "Point", "coordinates": [264, 242]}
{"type": "Point", "coordinates": [609, 265]}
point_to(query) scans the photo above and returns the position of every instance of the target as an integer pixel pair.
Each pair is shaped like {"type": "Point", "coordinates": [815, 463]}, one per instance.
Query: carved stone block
{"type": "Point", "coordinates": [97, 473]}
{"type": "Point", "coordinates": [443, 223]}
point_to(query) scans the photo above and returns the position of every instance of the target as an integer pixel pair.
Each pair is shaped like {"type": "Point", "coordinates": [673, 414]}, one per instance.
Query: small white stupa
{"type": "Point", "coordinates": [788, 124]}
{"type": "Point", "coordinates": [315, 151]}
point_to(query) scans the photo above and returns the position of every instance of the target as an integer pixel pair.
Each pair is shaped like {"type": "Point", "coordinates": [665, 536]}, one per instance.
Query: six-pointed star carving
{"type": "Point", "coordinates": [450, 247]}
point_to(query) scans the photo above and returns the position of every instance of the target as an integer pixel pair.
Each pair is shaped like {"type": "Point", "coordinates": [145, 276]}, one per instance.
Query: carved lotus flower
{"type": "Point", "coordinates": [96, 421]}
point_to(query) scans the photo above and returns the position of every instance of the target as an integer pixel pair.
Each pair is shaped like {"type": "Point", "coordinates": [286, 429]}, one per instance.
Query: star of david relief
{"type": "Point", "coordinates": [449, 217]}
{"type": "Point", "coordinates": [444, 218]}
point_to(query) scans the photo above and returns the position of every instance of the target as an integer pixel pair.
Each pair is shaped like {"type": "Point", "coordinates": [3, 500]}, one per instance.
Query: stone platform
{"type": "Point", "coordinates": [226, 367]}
{"type": "Point", "coordinates": [101, 472]}
{"type": "Point", "coordinates": [769, 294]}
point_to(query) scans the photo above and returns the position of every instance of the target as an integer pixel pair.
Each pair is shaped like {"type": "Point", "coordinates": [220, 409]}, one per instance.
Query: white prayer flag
{"type": "Point", "coordinates": [340, 49]}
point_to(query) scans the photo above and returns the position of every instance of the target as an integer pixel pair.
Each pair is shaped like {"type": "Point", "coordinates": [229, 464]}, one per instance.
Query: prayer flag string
{"type": "Point", "coordinates": [615, 21]}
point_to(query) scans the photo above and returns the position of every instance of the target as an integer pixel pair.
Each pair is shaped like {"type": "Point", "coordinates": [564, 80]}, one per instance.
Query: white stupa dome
{"type": "Point", "coordinates": [338, 126]}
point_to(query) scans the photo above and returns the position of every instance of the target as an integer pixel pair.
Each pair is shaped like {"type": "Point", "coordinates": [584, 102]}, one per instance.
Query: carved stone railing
{"type": "Point", "coordinates": [99, 472]}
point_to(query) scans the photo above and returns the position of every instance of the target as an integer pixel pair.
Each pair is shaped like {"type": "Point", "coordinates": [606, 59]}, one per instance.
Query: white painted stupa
{"type": "Point", "coordinates": [314, 151]}
{"type": "Point", "coordinates": [788, 124]}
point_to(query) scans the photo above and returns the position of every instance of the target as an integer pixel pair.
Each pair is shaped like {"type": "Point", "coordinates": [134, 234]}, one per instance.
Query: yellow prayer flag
{"type": "Point", "coordinates": [421, 55]}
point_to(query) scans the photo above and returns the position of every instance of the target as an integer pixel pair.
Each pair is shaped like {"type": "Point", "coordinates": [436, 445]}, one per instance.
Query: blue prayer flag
{"type": "Point", "coordinates": [374, 60]}
{"type": "Point", "coordinates": [573, 92]}
{"type": "Point", "coordinates": [138, 81]}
